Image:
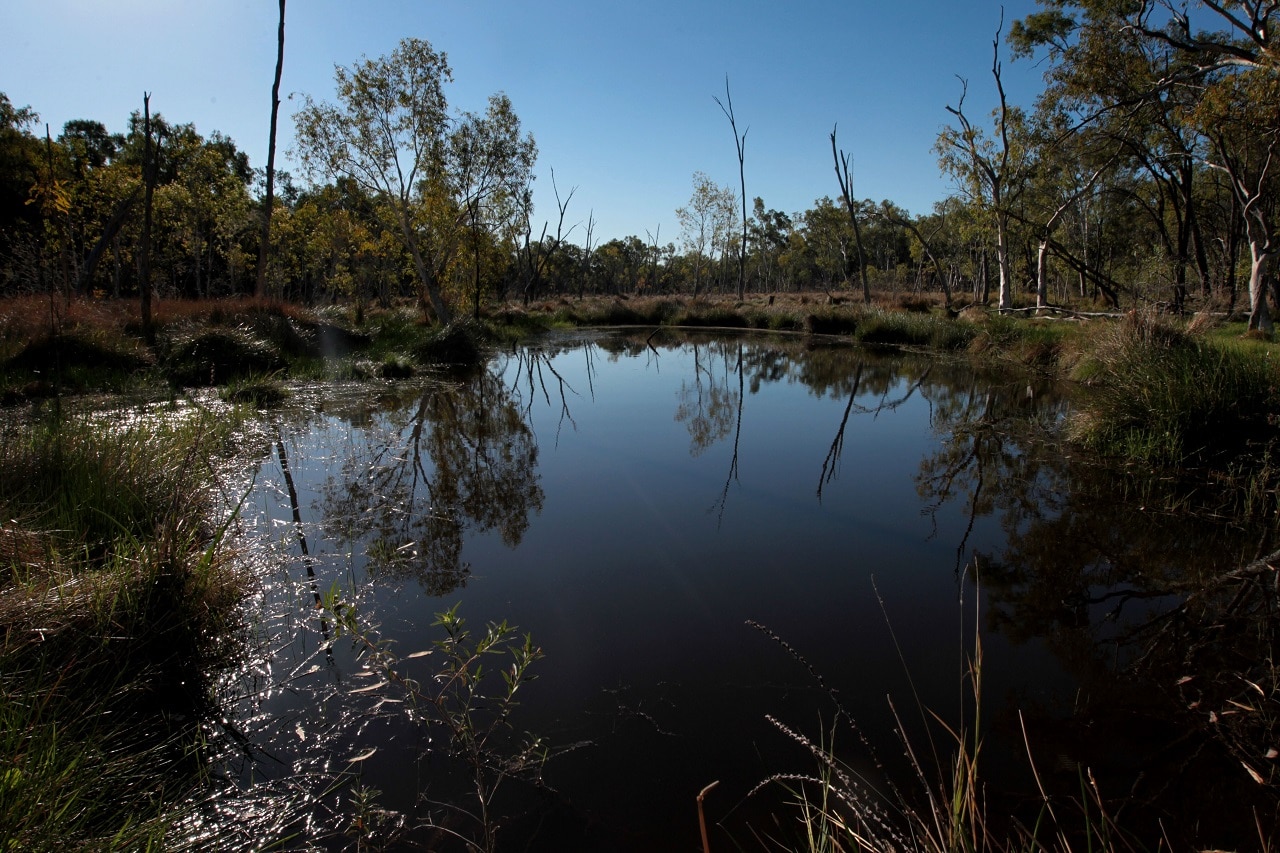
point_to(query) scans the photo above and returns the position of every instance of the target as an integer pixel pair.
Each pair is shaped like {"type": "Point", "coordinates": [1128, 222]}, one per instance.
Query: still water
{"type": "Point", "coordinates": [662, 514]}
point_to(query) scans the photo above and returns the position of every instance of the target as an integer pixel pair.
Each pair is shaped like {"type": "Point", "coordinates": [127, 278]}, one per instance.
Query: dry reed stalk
{"type": "Point", "coordinates": [702, 820]}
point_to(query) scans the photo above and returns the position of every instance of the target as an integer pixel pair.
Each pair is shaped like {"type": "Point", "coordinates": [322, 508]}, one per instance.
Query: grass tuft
{"type": "Point", "coordinates": [215, 356]}
{"type": "Point", "coordinates": [117, 608]}
{"type": "Point", "coordinates": [1165, 396]}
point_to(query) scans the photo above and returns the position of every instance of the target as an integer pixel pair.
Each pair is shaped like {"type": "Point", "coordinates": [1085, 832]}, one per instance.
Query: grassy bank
{"type": "Point", "coordinates": [1158, 390]}
{"type": "Point", "coordinates": [117, 608]}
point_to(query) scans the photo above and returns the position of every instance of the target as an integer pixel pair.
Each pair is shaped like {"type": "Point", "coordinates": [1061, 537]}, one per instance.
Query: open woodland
{"type": "Point", "coordinates": [1120, 233]}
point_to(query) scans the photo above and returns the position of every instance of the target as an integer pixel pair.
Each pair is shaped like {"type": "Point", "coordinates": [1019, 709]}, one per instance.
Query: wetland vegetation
{"type": "Point", "coordinates": [118, 559]}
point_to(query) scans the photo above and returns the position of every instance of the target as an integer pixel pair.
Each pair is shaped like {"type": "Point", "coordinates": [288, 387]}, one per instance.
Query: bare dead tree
{"type": "Point", "coordinates": [144, 254]}
{"type": "Point", "coordinates": [654, 255]}
{"type": "Point", "coordinates": [536, 259]}
{"type": "Point", "coordinates": [995, 177]}
{"type": "Point", "coordinates": [264, 245]}
{"type": "Point", "coordinates": [586, 254]}
{"type": "Point", "coordinates": [740, 142]}
{"type": "Point", "coordinates": [844, 174]}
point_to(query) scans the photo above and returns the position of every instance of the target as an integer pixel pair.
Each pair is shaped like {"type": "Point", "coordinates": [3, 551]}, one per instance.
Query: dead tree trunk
{"type": "Point", "coordinates": [844, 174]}
{"type": "Point", "coordinates": [264, 245]}
{"type": "Point", "coordinates": [144, 254]}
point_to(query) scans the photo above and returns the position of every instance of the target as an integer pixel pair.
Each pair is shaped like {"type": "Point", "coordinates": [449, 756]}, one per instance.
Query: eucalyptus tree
{"type": "Point", "coordinates": [20, 158]}
{"type": "Point", "coordinates": [491, 170]}
{"type": "Point", "coordinates": [1132, 94]}
{"type": "Point", "coordinates": [391, 131]}
{"type": "Point", "coordinates": [1159, 76]}
{"type": "Point", "coordinates": [770, 233]}
{"type": "Point", "coordinates": [1240, 113]}
{"type": "Point", "coordinates": [207, 213]}
{"type": "Point", "coordinates": [830, 251]}
{"type": "Point", "coordinates": [706, 223]}
{"type": "Point", "coordinates": [887, 235]}
{"type": "Point", "coordinates": [1240, 33]}
{"type": "Point", "coordinates": [1066, 168]}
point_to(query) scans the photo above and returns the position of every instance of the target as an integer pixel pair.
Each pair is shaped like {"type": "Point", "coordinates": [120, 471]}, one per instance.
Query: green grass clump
{"type": "Point", "coordinates": [458, 344]}
{"type": "Point", "coordinates": [513, 325]}
{"type": "Point", "coordinates": [117, 607]}
{"type": "Point", "coordinates": [393, 331]}
{"type": "Point", "coordinates": [885, 327]}
{"type": "Point", "coordinates": [260, 392]}
{"type": "Point", "coordinates": [1168, 397]}
{"type": "Point", "coordinates": [73, 362]}
{"type": "Point", "coordinates": [711, 316]}
{"type": "Point", "coordinates": [827, 321]}
{"type": "Point", "coordinates": [215, 356]}
{"type": "Point", "coordinates": [621, 311]}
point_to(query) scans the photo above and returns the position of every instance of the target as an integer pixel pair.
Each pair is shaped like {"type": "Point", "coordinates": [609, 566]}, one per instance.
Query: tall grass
{"type": "Point", "coordinates": [117, 606]}
{"type": "Point", "coordinates": [1165, 396]}
{"type": "Point", "coordinates": [937, 802]}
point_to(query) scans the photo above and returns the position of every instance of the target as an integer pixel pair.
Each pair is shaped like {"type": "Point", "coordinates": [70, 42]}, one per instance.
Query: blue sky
{"type": "Point", "coordinates": [619, 96]}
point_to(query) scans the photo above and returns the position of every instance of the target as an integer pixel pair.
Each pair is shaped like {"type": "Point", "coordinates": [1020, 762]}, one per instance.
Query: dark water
{"type": "Point", "coordinates": [634, 504]}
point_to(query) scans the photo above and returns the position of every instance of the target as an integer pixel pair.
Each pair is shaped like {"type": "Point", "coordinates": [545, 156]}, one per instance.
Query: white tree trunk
{"type": "Point", "coordinates": [1042, 274]}
{"type": "Point", "coordinates": [1002, 261]}
{"type": "Point", "coordinates": [1259, 314]}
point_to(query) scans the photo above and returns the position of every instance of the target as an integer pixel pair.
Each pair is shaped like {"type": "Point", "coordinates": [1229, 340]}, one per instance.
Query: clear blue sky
{"type": "Point", "coordinates": [619, 96]}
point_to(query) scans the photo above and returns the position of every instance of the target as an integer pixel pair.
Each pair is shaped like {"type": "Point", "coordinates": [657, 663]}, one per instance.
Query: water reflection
{"type": "Point", "coordinates": [459, 461]}
{"type": "Point", "coordinates": [567, 487]}
{"type": "Point", "coordinates": [1121, 575]}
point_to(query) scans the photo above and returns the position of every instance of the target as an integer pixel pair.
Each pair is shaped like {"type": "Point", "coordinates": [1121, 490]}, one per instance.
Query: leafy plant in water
{"type": "Point", "coordinates": [466, 700]}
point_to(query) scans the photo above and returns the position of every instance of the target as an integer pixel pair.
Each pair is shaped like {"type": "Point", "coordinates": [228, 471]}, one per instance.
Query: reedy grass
{"type": "Point", "coordinates": [117, 604]}
{"type": "Point", "coordinates": [470, 700]}
{"type": "Point", "coordinates": [944, 809]}
{"type": "Point", "coordinates": [260, 392]}
{"type": "Point", "coordinates": [1168, 397]}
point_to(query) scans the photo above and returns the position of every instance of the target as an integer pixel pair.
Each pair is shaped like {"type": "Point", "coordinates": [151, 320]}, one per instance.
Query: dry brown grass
{"type": "Point", "coordinates": [27, 318]}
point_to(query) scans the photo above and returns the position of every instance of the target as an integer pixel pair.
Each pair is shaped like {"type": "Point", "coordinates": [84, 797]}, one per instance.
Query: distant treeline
{"type": "Point", "coordinates": [1143, 173]}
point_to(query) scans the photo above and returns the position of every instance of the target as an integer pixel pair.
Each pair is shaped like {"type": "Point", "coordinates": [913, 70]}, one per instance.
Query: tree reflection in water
{"type": "Point", "coordinates": [462, 460]}
{"type": "Point", "coordinates": [1167, 648]}
{"type": "Point", "coordinates": [1092, 565]}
